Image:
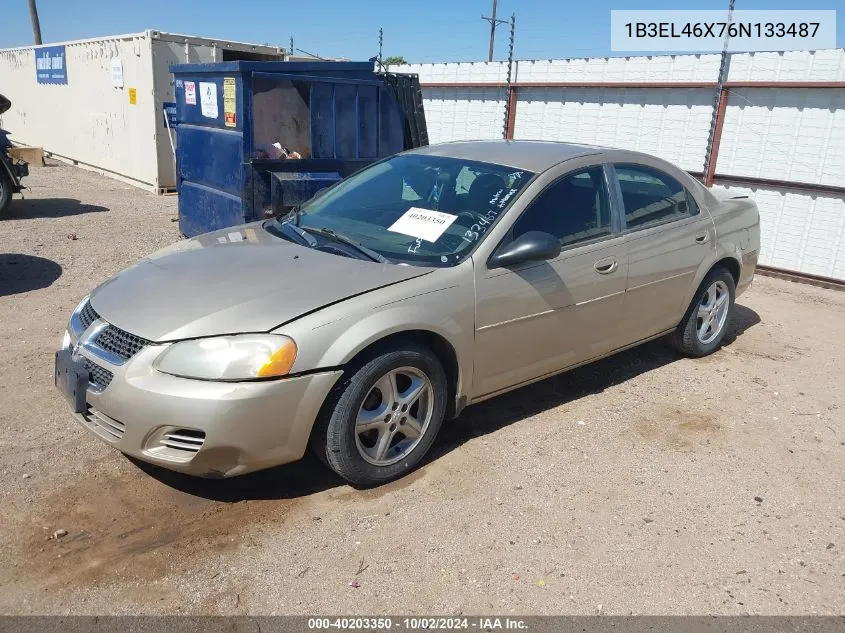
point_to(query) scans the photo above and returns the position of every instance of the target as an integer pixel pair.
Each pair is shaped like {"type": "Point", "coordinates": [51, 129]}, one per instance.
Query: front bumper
{"type": "Point", "coordinates": [206, 428]}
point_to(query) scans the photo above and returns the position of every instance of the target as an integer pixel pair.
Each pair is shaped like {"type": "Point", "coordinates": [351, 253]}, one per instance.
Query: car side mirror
{"type": "Point", "coordinates": [533, 246]}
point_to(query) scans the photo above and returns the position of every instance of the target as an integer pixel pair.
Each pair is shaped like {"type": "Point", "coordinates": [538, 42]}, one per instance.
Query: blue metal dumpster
{"type": "Point", "coordinates": [255, 139]}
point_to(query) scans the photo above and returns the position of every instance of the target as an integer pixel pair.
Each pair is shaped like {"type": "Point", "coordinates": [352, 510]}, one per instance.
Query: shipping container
{"type": "Point", "coordinates": [108, 103]}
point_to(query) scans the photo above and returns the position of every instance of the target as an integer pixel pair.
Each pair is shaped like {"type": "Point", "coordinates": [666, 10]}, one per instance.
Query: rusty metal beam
{"type": "Point", "coordinates": [802, 278]}
{"type": "Point", "coordinates": [785, 84]}
{"type": "Point", "coordinates": [717, 137]}
{"type": "Point", "coordinates": [809, 187]}
{"type": "Point", "coordinates": [573, 84]}
{"type": "Point", "coordinates": [616, 84]}
{"type": "Point", "coordinates": [511, 122]}
{"type": "Point", "coordinates": [637, 84]}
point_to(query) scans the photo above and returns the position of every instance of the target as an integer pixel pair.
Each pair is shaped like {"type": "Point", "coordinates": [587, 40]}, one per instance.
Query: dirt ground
{"type": "Point", "coordinates": [646, 483]}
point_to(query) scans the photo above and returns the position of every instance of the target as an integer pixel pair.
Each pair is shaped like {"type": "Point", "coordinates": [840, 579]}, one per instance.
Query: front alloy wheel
{"type": "Point", "coordinates": [394, 416]}
{"type": "Point", "coordinates": [383, 415]}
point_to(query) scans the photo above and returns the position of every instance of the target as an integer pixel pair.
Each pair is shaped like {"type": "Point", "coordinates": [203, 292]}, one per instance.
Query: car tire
{"type": "Point", "coordinates": [361, 431]}
{"type": "Point", "coordinates": [709, 315]}
{"type": "Point", "coordinates": [5, 191]}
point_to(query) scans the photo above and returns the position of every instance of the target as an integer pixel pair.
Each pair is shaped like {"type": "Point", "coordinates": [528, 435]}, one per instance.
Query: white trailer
{"type": "Point", "coordinates": [102, 105]}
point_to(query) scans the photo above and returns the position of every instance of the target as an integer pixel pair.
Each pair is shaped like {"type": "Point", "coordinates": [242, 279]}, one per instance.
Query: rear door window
{"type": "Point", "coordinates": [652, 197]}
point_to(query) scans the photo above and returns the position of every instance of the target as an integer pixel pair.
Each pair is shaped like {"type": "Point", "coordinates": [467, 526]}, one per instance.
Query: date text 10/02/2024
{"type": "Point", "coordinates": [417, 623]}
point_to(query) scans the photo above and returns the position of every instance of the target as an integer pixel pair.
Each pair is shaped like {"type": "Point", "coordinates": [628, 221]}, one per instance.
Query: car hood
{"type": "Point", "coordinates": [235, 280]}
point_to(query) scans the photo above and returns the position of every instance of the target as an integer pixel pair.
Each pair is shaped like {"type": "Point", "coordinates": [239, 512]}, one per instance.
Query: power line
{"type": "Point", "coordinates": [312, 55]}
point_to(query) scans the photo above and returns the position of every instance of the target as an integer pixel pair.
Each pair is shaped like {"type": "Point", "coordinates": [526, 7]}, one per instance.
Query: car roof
{"type": "Point", "coordinates": [536, 156]}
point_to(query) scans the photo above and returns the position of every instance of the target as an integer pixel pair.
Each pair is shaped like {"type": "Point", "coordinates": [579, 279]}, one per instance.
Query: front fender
{"type": "Point", "coordinates": [327, 342]}
{"type": "Point", "coordinates": [376, 327]}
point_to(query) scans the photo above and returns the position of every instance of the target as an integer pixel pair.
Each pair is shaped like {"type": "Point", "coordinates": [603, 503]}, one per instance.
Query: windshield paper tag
{"type": "Point", "coordinates": [423, 224]}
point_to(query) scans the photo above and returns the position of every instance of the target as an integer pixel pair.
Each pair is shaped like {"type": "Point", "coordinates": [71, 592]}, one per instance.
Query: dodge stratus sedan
{"type": "Point", "coordinates": [426, 282]}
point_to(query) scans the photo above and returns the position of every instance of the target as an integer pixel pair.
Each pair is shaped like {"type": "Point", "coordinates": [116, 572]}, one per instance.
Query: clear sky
{"type": "Point", "coordinates": [427, 31]}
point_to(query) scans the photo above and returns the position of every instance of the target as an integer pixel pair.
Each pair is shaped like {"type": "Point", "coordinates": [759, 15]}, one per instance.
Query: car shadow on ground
{"type": "Point", "coordinates": [50, 208]}
{"type": "Point", "coordinates": [22, 273]}
{"type": "Point", "coordinates": [496, 413]}
{"type": "Point", "coordinates": [310, 476]}
{"type": "Point", "coordinates": [291, 481]}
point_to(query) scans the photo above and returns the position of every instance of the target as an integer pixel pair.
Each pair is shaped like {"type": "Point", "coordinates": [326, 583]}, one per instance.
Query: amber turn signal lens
{"type": "Point", "coordinates": [280, 361]}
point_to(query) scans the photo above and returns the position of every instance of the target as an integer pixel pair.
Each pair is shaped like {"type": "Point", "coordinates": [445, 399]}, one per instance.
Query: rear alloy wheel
{"type": "Point", "coordinates": [383, 416]}
{"type": "Point", "coordinates": [707, 319]}
{"type": "Point", "coordinates": [712, 312]}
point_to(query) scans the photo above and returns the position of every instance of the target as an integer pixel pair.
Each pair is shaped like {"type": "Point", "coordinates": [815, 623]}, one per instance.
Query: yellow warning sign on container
{"type": "Point", "coordinates": [133, 96]}
{"type": "Point", "coordinates": [230, 117]}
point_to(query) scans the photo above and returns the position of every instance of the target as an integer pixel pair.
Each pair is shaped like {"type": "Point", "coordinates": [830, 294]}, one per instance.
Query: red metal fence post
{"type": "Point", "coordinates": [511, 122]}
{"type": "Point", "coordinates": [717, 137]}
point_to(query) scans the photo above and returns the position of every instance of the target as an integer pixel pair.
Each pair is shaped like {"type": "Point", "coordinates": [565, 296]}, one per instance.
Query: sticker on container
{"type": "Point", "coordinates": [116, 72]}
{"type": "Point", "coordinates": [169, 109]}
{"type": "Point", "coordinates": [423, 224]}
{"type": "Point", "coordinates": [229, 109]}
{"type": "Point", "coordinates": [208, 99]}
{"type": "Point", "coordinates": [133, 96]}
{"type": "Point", "coordinates": [50, 67]}
{"type": "Point", "coordinates": [236, 236]}
{"type": "Point", "coordinates": [190, 93]}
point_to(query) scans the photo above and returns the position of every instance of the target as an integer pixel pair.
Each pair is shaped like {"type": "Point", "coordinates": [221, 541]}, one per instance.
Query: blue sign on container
{"type": "Point", "coordinates": [169, 108]}
{"type": "Point", "coordinates": [50, 65]}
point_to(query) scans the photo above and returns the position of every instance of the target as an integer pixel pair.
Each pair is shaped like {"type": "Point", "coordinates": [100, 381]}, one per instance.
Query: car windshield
{"type": "Point", "coordinates": [416, 209]}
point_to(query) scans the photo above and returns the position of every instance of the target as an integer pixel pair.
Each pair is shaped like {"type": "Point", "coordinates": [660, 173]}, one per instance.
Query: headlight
{"type": "Point", "coordinates": [239, 357]}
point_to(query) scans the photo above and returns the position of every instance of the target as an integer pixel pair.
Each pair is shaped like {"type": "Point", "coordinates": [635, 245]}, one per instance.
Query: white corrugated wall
{"type": "Point", "coordinates": [789, 134]}
{"type": "Point", "coordinates": [671, 123]}
{"type": "Point", "coordinates": [794, 135]}
{"type": "Point", "coordinates": [468, 113]}
{"type": "Point", "coordinates": [464, 113]}
{"type": "Point", "coordinates": [799, 231]}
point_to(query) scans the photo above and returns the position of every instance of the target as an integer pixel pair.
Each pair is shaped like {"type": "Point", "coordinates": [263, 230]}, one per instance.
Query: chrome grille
{"type": "Point", "coordinates": [98, 376]}
{"type": "Point", "coordinates": [120, 342]}
{"type": "Point", "coordinates": [103, 425]}
{"type": "Point", "coordinates": [187, 440]}
{"type": "Point", "coordinates": [87, 315]}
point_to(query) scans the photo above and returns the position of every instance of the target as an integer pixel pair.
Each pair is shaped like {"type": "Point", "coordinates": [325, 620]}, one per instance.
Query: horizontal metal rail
{"type": "Point", "coordinates": [632, 84]}
{"type": "Point", "coordinates": [786, 184]}
{"type": "Point", "coordinates": [805, 278]}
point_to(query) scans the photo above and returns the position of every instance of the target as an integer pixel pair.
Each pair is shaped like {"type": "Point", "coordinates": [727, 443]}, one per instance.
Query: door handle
{"type": "Point", "coordinates": [701, 239]}
{"type": "Point", "coordinates": [606, 266]}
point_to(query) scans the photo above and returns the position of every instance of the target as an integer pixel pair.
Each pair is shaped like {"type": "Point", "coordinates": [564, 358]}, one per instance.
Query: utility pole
{"type": "Point", "coordinates": [36, 25]}
{"type": "Point", "coordinates": [290, 50]}
{"type": "Point", "coordinates": [380, 43]}
{"type": "Point", "coordinates": [493, 23]}
{"type": "Point", "coordinates": [510, 95]}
